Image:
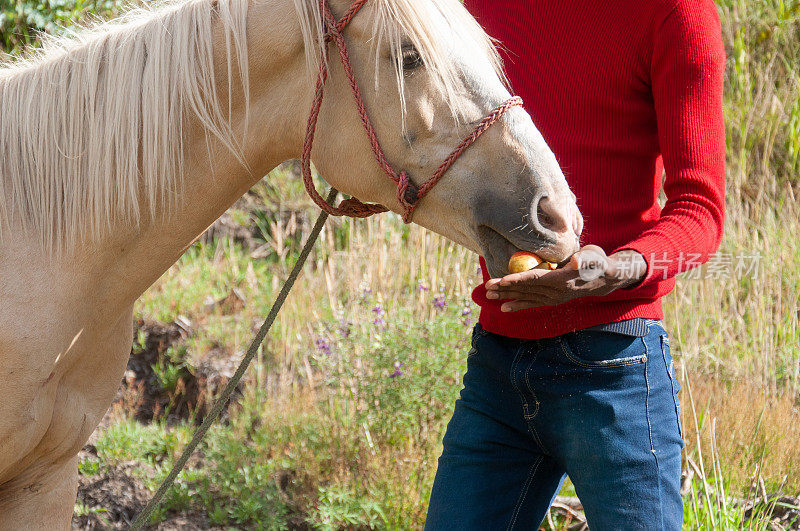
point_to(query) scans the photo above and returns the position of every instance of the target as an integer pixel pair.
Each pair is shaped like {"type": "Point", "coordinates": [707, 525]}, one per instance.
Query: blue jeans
{"type": "Point", "coordinates": [598, 406]}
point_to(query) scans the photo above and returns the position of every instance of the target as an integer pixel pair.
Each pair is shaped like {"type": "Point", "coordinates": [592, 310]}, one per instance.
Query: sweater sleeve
{"type": "Point", "coordinates": [687, 67]}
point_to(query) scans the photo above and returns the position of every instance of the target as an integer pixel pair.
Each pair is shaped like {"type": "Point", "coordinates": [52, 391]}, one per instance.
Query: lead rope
{"type": "Point", "coordinates": [408, 195]}
{"type": "Point", "coordinates": [151, 506]}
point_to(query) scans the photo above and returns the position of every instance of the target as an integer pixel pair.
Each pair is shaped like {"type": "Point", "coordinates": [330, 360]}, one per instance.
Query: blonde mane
{"type": "Point", "coordinates": [92, 123]}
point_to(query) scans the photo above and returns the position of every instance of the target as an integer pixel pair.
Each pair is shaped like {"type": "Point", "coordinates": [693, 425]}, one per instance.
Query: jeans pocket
{"type": "Point", "coordinates": [595, 349]}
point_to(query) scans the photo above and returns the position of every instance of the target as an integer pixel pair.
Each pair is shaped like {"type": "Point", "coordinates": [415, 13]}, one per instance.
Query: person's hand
{"type": "Point", "coordinates": [589, 272]}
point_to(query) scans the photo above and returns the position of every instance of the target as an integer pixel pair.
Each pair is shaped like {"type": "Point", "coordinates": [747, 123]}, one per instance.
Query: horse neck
{"type": "Point", "coordinates": [214, 177]}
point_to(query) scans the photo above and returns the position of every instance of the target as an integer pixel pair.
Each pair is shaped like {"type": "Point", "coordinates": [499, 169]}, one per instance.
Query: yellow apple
{"type": "Point", "coordinates": [550, 266]}
{"type": "Point", "coordinates": [525, 261]}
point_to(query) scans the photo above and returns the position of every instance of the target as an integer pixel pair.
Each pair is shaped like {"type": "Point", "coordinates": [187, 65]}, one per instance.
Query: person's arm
{"type": "Point", "coordinates": [687, 66]}
{"type": "Point", "coordinates": [687, 69]}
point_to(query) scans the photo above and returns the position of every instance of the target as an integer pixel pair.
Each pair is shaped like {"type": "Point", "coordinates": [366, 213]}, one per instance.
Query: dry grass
{"type": "Point", "coordinates": [747, 429]}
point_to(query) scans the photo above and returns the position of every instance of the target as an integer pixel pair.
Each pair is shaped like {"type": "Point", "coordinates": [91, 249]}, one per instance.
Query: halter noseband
{"type": "Point", "coordinates": [408, 195]}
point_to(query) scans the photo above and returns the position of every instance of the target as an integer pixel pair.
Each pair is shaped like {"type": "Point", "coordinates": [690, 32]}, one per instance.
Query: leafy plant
{"type": "Point", "coordinates": [339, 508]}
{"type": "Point", "coordinates": [22, 22]}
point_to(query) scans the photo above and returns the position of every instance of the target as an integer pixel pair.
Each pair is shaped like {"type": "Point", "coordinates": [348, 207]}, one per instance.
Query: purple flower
{"type": "Point", "coordinates": [379, 312]}
{"type": "Point", "coordinates": [466, 314]}
{"type": "Point", "coordinates": [397, 372]}
{"type": "Point", "coordinates": [439, 301]}
{"type": "Point", "coordinates": [365, 292]}
{"type": "Point", "coordinates": [344, 327]}
{"type": "Point", "coordinates": [421, 286]}
{"type": "Point", "coordinates": [323, 346]}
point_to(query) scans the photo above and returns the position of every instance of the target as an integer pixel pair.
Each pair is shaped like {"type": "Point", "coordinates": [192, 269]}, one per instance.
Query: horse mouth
{"type": "Point", "coordinates": [497, 248]}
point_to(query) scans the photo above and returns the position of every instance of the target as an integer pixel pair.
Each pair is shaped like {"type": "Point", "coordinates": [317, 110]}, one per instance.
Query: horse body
{"type": "Point", "coordinates": [67, 329]}
{"type": "Point", "coordinates": [66, 314]}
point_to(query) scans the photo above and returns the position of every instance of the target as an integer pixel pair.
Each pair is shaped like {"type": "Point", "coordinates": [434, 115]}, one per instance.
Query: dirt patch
{"type": "Point", "coordinates": [110, 499]}
{"type": "Point", "coordinates": [113, 498]}
{"type": "Point", "coordinates": [185, 392]}
{"type": "Point", "coordinates": [143, 394]}
{"type": "Point", "coordinates": [783, 512]}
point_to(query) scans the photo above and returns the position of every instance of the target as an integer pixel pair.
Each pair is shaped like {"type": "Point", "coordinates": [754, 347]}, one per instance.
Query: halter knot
{"type": "Point", "coordinates": [407, 195]}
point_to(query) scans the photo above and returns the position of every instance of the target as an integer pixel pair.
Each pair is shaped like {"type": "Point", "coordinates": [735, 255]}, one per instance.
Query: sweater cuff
{"type": "Point", "coordinates": [658, 257]}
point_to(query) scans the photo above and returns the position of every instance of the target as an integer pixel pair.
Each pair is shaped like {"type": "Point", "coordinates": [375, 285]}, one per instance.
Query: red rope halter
{"type": "Point", "coordinates": [408, 195]}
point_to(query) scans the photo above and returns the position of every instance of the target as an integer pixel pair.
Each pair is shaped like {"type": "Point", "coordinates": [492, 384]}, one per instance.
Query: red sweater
{"type": "Point", "coordinates": [621, 91]}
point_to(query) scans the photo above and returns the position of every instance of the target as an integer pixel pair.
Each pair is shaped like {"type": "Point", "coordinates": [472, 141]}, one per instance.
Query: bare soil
{"type": "Point", "coordinates": [142, 394]}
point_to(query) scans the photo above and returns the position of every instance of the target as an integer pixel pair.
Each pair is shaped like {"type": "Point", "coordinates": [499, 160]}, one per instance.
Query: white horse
{"type": "Point", "coordinates": [120, 144]}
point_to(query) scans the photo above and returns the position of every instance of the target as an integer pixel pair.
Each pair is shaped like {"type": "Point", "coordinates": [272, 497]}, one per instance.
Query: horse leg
{"type": "Point", "coordinates": [43, 501]}
{"type": "Point", "coordinates": [40, 477]}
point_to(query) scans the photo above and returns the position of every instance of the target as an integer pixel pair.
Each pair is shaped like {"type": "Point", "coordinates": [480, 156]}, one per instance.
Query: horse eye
{"type": "Point", "coordinates": [411, 58]}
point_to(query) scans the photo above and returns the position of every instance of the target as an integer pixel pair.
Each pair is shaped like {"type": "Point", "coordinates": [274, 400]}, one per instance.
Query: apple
{"type": "Point", "coordinates": [550, 266]}
{"type": "Point", "coordinates": [525, 261]}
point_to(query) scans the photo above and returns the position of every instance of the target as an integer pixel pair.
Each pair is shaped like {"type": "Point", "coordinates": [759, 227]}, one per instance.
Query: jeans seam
{"type": "Point", "coordinates": [650, 434]}
{"type": "Point", "coordinates": [672, 380]}
{"type": "Point", "coordinates": [513, 377]}
{"type": "Point", "coordinates": [524, 494]}
{"type": "Point", "coordinates": [529, 419]}
{"type": "Point", "coordinates": [478, 333]}
{"type": "Point", "coordinates": [525, 415]}
{"type": "Point", "coordinates": [647, 408]}
{"type": "Point", "coordinates": [623, 362]}
{"type": "Point", "coordinates": [530, 389]}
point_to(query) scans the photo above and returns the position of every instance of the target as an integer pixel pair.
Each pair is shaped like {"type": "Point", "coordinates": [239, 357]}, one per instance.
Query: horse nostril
{"type": "Point", "coordinates": [544, 218]}
{"type": "Point", "coordinates": [548, 216]}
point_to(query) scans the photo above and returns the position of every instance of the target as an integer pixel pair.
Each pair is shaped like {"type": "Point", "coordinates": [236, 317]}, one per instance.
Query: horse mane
{"type": "Point", "coordinates": [92, 122]}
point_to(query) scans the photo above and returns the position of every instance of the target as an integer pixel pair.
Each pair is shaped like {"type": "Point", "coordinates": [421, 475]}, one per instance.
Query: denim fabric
{"type": "Point", "coordinates": [598, 406]}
